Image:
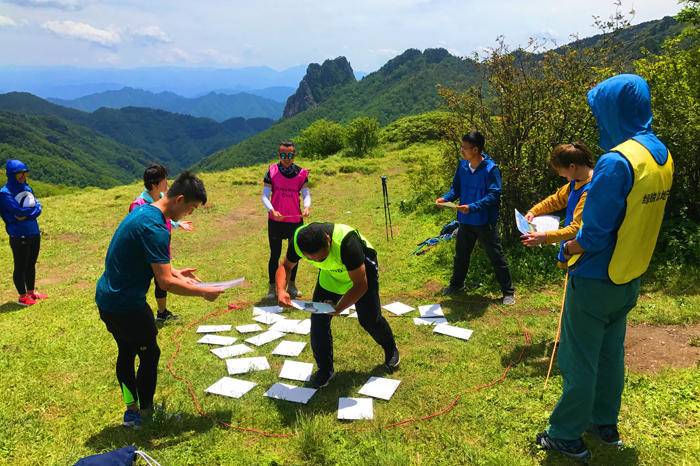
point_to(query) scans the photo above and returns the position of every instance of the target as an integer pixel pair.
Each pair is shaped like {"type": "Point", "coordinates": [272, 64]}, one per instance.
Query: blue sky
{"type": "Point", "coordinates": [281, 34]}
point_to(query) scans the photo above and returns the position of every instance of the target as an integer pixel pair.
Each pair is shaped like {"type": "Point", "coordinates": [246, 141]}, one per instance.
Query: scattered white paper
{"type": "Point", "coordinates": [268, 318]}
{"type": "Point", "coordinates": [213, 328]}
{"type": "Point", "coordinates": [283, 391]}
{"type": "Point", "coordinates": [546, 223]}
{"type": "Point", "coordinates": [250, 328]}
{"type": "Point", "coordinates": [234, 388]}
{"type": "Point", "coordinates": [223, 285]}
{"type": "Point", "coordinates": [295, 370]}
{"type": "Point", "coordinates": [244, 365]}
{"type": "Point", "coordinates": [271, 309]}
{"type": "Point", "coordinates": [353, 315]}
{"type": "Point", "coordinates": [431, 310]}
{"type": "Point", "coordinates": [313, 307]}
{"type": "Point", "coordinates": [304, 327]}
{"type": "Point", "coordinates": [379, 387]}
{"type": "Point", "coordinates": [398, 308]}
{"type": "Point", "coordinates": [429, 320]}
{"type": "Point", "coordinates": [231, 351]}
{"type": "Point", "coordinates": [523, 225]}
{"type": "Point", "coordinates": [451, 330]}
{"type": "Point", "coordinates": [352, 409]}
{"type": "Point", "coordinates": [285, 326]}
{"type": "Point", "coordinates": [289, 348]}
{"type": "Point", "coordinates": [216, 340]}
{"type": "Point", "coordinates": [264, 338]}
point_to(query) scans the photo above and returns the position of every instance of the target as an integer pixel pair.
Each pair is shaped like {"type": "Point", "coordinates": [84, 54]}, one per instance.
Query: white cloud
{"type": "Point", "coordinates": [7, 22]}
{"type": "Point", "coordinates": [148, 35]}
{"type": "Point", "coordinates": [83, 31]}
{"type": "Point", "coordinates": [69, 5]}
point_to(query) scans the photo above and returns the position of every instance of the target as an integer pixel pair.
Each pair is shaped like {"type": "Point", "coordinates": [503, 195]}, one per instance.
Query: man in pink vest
{"type": "Point", "coordinates": [282, 186]}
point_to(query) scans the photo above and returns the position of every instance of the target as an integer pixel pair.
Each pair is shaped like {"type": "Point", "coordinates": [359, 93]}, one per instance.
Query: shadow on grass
{"type": "Point", "coordinates": [535, 360]}
{"type": "Point", "coordinates": [466, 307]}
{"type": "Point", "coordinates": [601, 454]}
{"type": "Point", "coordinates": [10, 306]}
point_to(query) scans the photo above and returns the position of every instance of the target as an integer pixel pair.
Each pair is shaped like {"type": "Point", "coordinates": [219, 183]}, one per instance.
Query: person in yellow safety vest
{"type": "Point", "coordinates": [349, 274]}
{"type": "Point", "coordinates": [621, 222]}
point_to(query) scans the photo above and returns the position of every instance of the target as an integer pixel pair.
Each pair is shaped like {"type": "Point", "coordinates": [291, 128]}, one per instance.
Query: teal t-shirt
{"type": "Point", "coordinates": [141, 239]}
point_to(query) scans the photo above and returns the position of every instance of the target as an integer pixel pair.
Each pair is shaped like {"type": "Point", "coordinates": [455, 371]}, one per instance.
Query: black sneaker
{"type": "Point", "coordinates": [165, 315]}
{"type": "Point", "coordinates": [321, 379]}
{"type": "Point", "coordinates": [451, 289]}
{"type": "Point", "coordinates": [392, 360]}
{"type": "Point", "coordinates": [572, 448]}
{"type": "Point", "coordinates": [607, 434]}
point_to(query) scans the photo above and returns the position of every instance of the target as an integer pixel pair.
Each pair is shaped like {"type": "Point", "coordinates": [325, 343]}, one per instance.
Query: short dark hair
{"type": "Point", "coordinates": [311, 238]}
{"type": "Point", "coordinates": [577, 153]}
{"type": "Point", "coordinates": [475, 138]}
{"type": "Point", "coordinates": [288, 145]}
{"type": "Point", "coordinates": [154, 175]}
{"type": "Point", "coordinates": [189, 186]}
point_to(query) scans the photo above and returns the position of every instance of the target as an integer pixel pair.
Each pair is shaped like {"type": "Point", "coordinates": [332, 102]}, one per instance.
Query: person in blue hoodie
{"type": "Point", "coordinates": [477, 185]}
{"type": "Point", "coordinates": [621, 221]}
{"type": "Point", "coordinates": [19, 210]}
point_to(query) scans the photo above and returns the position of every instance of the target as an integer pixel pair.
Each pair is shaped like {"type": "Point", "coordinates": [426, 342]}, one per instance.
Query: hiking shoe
{"type": "Point", "coordinates": [166, 315]}
{"type": "Point", "coordinates": [508, 300]}
{"type": "Point", "coordinates": [321, 379]}
{"type": "Point", "coordinates": [451, 289]}
{"type": "Point", "coordinates": [607, 434]}
{"type": "Point", "coordinates": [132, 419]}
{"type": "Point", "coordinates": [572, 448]}
{"type": "Point", "coordinates": [26, 300]}
{"type": "Point", "coordinates": [392, 360]}
{"type": "Point", "coordinates": [271, 292]}
{"type": "Point", "coordinates": [293, 291]}
{"type": "Point", "coordinates": [36, 296]}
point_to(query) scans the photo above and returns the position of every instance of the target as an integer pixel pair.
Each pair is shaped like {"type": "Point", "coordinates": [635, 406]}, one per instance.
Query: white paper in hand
{"type": "Point", "coordinates": [451, 330]}
{"type": "Point", "coordinates": [379, 387]}
{"type": "Point", "coordinates": [429, 320]}
{"type": "Point", "coordinates": [216, 340]}
{"type": "Point", "coordinates": [352, 409]}
{"type": "Point", "coordinates": [222, 285]}
{"type": "Point", "coordinates": [431, 310]}
{"type": "Point", "coordinates": [398, 308]}
{"type": "Point", "coordinates": [234, 388]}
{"type": "Point", "coordinates": [213, 328]}
{"type": "Point", "coordinates": [295, 370]}
{"type": "Point", "coordinates": [250, 328]}
{"type": "Point", "coordinates": [231, 351]}
{"type": "Point", "coordinates": [283, 391]}
{"type": "Point", "coordinates": [264, 338]}
{"type": "Point", "coordinates": [289, 348]}
{"type": "Point", "coordinates": [244, 365]}
{"type": "Point", "coordinates": [313, 307]}
{"type": "Point", "coordinates": [546, 223]}
{"type": "Point", "coordinates": [523, 225]}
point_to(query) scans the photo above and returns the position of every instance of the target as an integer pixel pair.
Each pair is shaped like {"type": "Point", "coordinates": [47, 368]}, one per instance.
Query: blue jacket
{"type": "Point", "coordinates": [10, 208]}
{"type": "Point", "coordinates": [480, 190]}
{"type": "Point", "coordinates": [622, 108]}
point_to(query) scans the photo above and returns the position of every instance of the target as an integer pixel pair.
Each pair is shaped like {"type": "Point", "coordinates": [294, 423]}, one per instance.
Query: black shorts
{"type": "Point", "coordinates": [282, 230]}
{"type": "Point", "coordinates": [137, 327]}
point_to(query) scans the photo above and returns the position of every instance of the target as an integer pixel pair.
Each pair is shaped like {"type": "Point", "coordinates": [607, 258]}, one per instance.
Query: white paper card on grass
{"type": "Point", "coordinates": [289, 348]}
{"type": "Point", "coordinates": [379, 387]}
{"type": "Point", "coordinates": [213, 328]}
{"type": "Point", "coordinates": [217, 340]}
{"type": "Point", "coordinates": [271, 309]}
{"type": "Point", "coordinates": [231, 351]}
{"type": "Point", "coordinates": [352, 409]}
{"type": "Point", "coordinates": [398, 308]}
{"type": "Point", "coordinates": [250, 328]}
{"type": "Point", "coordinates": [244, 365]}
{"type": "Point", "coordinates": [228, 386]}
{"type": "Point", "coordinates": [295, 370]}
{"type": "Point", "coordinates": [268, 318]}
{"type": "Point", "coordinates": [451, 330]}
{"type": "Point", "coordinates": [429, 320]}
{"type": "Point", "coordinates": [431, 310]}
{"type": "Point", "coordinates": [285, 326]}
{"type": "Point", "coordinates": [283, 391]}
{"type": "Point", "coordinates": [304, 327]}
{"type": "Point", "coordinates": [264, 338]}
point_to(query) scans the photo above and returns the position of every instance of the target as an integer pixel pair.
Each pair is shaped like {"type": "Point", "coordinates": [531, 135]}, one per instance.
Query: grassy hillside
{"type": "Point", "coordinates": [60, 399]}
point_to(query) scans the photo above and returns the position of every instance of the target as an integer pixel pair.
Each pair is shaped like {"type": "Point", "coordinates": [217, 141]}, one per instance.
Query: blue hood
{"type": "Point", "coordinates": [622, 107]}
{"type": "Point", "coordinates": [13, 167]}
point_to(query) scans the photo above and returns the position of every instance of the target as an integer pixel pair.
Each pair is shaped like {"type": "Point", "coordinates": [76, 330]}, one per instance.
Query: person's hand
{"type": "Point", "coordinates": [284, 299]}
{"type": "Point", "coordinates": [186, 225]}
{"type": "Point", "coordinates": [211, 293]}
{"type": "Point", "coordinates": [306, 212]}
{"type": "Point", "coordinates": [187, 274]}
{"type": "Point", "coordinates": [21, 219]}
{"type": "Point", "coordinates": [440, 200]}
{"type": "Point", "coordinates": [529, 216]}
{"type": "Point", "coordinates": [534, 238]}
{"type": "Point", "coordinates": [277, 215]}
{"type": "Point", "coordinates": [464, 208]}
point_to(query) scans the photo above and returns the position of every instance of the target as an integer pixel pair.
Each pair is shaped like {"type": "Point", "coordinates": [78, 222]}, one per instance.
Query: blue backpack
{"type": "Point", "coordinates": [122, 457]}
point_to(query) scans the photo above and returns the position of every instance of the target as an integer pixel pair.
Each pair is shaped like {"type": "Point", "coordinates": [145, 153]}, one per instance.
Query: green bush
{"type": "Point", "coordinates": [321, 139]}
{"type": "Point", "coordinates": [362, 135]}
{"type": "Point", "coordinates": [415, 128]}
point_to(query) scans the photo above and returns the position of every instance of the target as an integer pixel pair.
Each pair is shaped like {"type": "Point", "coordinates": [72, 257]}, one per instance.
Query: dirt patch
{"type": "Point", "coordinates": [651, 348]}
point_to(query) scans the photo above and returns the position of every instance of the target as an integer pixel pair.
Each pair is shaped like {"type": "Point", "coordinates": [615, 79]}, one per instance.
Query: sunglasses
{"type": "Point", "coordinates": [287, 155]}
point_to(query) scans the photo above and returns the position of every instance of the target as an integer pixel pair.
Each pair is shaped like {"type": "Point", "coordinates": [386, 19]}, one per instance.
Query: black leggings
{"type": "Point", "coordinates": [135, 333]}
{"type": "Point", "coordinates": [276, 233]}
{"type": "Point", "coordinates": [159, 292]}
{"type": "Point", "coordinates": [25, 251]}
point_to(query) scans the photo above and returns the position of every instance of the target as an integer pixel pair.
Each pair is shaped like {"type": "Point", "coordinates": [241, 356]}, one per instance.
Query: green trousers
{"type": "Point", "coordinates": [592, 355]}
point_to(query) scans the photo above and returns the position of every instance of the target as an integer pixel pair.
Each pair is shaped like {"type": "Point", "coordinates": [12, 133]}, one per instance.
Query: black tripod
{"type": "Point", "coordinates": [387, 210]}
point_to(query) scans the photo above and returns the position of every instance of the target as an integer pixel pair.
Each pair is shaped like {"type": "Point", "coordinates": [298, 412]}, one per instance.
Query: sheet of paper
{"type": "Point", "coordinates": [223, 285]}
{"type": "Point", "coordinates": [451, 205]}
{"type": "Point", "coordinates": [216, 340]}
{"type": "Point", "coordinates": [348, 310]}
{"type": "Point", "coordinates": [431, 310]}
{"type": "Point", "coordinates": [304, 327]}
{"type": "Point", "coordinates": [295, 370]}
{"type": "Point", "coordinates": [213, 328]}
{"type": "Point", "coordinates": [429, 320]}
{"type": "Point", "coordinates": [231, 351]}
{"type": "Point", "coordinates": [285, 326]}
{"type": "Point", "coordinates": [244, 365]}
{"type": "Point", "coordinates": [228, 386]}
{"type": "Point", "coordinates": [271, 309]}
{"type": "Point", "coordinates": [315, 308]}
{"type": "Point", "coordinates": [451, 330]}
{"type": "Point", "coordinates": [289, 348]}
{"type": "Point", "coordinates": [250, 328]}
{"type": "Point", "coordinates": [268, 318]}
{"type": "Point", "coordinates": [546, 223]}
{"type": "Point", "coordinates": [264, 338]}
{"type": "Point", "coordinates": [283, 391]}
{"type": "Point", "coordinates": [398, 308]}
{"type": "Point", "coordinates": [352, 409]}
{"type": "Point", "coordinates": [523, 225]}
{"type": "Point", "coordinates": [353, 315]}
{"type": "Point", "coordinates": [379, 387]}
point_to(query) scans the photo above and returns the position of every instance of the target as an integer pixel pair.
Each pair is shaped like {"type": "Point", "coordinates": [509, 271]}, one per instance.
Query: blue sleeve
{"type": "Point", "coordinates": [605, 204]}
{"type": "Point", "coordinates": [156, 240]}
{"type": "Point", "coordinates": [493, 193]}
{"type": "Point", "coordinates": [451, 195]}
{"type": "Point", "coordinates": [11, 207]}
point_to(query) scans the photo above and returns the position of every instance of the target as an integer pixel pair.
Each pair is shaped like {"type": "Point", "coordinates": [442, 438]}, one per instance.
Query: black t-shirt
{"type": "Point", "coordinates": [290, 172]}
{"type": "Point", "coordinates": [352, 249]}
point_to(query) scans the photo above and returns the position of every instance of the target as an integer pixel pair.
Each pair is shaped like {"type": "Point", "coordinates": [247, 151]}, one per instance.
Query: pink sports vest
{"type": "Point", "coordinates": [285, 194]}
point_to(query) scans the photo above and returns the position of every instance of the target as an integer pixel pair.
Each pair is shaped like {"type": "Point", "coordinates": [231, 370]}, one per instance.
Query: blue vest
{"type": "Point", "coordinates": [571, 203]}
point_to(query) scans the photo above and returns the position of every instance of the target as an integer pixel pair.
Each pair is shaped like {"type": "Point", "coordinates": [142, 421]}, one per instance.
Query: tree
{"type": "Point", "coordinates": [362, 135]}
{"type": "Point", "coordinates": [321, 138]}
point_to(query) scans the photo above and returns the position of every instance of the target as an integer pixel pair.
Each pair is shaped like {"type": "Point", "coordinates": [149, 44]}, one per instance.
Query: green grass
{"type": "Point", "coordinates": [60, 399]}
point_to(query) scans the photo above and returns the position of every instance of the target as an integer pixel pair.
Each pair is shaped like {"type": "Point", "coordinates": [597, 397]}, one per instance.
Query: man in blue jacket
{"type": "Point", "coordinates": [19, 210]}
{"type": "Point", "coordinates": [621, 222]}
{"type": "Point", "coordinates": [477, 184]}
